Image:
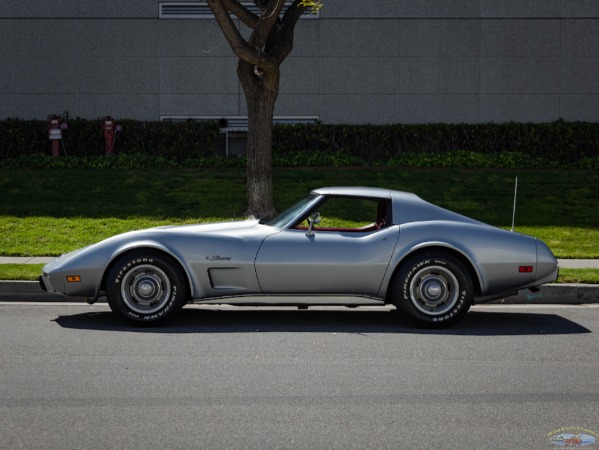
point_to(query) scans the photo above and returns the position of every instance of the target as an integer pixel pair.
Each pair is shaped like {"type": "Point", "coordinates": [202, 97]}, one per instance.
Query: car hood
{"type": "Point", "coordinates": [236, 228]}
{"type": "Point", "coordinates": [216, 227]}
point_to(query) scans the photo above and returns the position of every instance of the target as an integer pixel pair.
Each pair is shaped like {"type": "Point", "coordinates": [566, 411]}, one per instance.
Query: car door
{"type": "Point", "coordinates": [327, 260]}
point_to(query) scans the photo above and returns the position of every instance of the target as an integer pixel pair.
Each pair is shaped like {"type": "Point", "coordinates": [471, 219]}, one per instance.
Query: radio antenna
{"type": "Point", "coordinates": [514, 212]}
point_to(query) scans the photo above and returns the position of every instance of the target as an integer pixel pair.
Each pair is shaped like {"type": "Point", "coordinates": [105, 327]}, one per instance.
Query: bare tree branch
{"type": "Point", "coordinates": [248, 18]}
{"type": "Point", "coordinates": [282, 43]}
{"type": "Point", "coordinates": [238, 44]}
{"type": "Point", "coordinates": [268, 18]}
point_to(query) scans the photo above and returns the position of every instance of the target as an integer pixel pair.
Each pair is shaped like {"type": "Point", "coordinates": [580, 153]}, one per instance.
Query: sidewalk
{"type": "Point", "coordinates": [26, 259]}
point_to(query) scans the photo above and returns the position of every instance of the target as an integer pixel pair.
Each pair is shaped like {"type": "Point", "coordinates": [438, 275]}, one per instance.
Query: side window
{"type": "Point", "coordinates": [351, 214]}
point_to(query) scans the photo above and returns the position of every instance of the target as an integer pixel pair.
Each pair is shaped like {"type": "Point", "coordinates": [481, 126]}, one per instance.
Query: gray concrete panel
{"type": "Point", "coordinates": [39, 37]}
{"type": "Point", "coordinates": [359, 76]}
{"type": "Point", "coordinates": [583, 107]}
{"type": "Point", "coordinates": [432, 9]}
{"type": "Point", "coordinates": [118, 9]}
{"type": "Point", "coordinates": [440, 37]}
{"type": "Point", "coordinates": [213, 75]}
{"type": "Point", "coordinates": [519, 75]}
{"type": "Point", "coordinates": [118, 37]}
{"type": "Point", "coordinates": [432, 59]}
{"type": "Point", "coordinates": [580, 75]}
{"type": "Point", "coordinates": [356, 9]}
{"type": "Point", "coordinates": [37, 8]}
{"type": "Point", "coordinates": [521, 8]}
{"type": "Point", "coordinates": [192, 38]}
{"type": "Point", "coordinates": [519, 108]}
{"type": "Point", "coordinates": [299, 76]}
{"type": "Point", "coordinates": [581, 8]}
{"type": "Point", "coordinates": [580, 37]}
{"type": "Point", "coordinates": [520, 37]}
{"type": "Point", "coordinates": [357, 38]}
{"type": "Point", "coordinates": [443, 75]}
{"type": "Point", "coordinates": [120, 106]}
{"type": "Point", "coordinates": [39, 75]}
{"type": "Point", "coordinates": [439, 108]}
{"type": "Point", "coordinates": [300, 105]}
{"type": "Point", "coordinates": [306, 39]}
{"type": "Point", "coordinates": [118, 75]}
{"type": "Point", "coordinates": [356, 109]}
{"type": "Point", "coordinates": [37, 106]}
{"type": "Point", "coordinates": [200, 105]}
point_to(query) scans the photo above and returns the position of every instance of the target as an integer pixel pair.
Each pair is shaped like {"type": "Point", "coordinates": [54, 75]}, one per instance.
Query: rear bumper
{"type": "Point", "coordinates": [548, 278]}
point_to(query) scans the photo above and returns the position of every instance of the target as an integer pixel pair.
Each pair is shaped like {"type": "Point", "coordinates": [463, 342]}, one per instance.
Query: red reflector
{"type": "Point", "coordinates": [525, 269]}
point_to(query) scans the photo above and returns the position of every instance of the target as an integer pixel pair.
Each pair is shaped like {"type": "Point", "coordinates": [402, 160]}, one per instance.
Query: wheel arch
{"type": "Point", "coordinates": [440, 248]}
{"type": "Point", "coordinates": [153, 248]}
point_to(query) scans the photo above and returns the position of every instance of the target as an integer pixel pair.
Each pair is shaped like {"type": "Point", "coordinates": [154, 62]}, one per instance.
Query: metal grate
{"type": "Point", "coordinates": [201, 10]}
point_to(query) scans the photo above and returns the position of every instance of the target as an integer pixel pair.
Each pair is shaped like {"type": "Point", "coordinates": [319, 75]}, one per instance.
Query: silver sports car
{"type": "Point", "coordinates": [339, 246]}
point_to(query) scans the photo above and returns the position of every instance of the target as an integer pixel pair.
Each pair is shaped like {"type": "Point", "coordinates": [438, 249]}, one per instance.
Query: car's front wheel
{"type": "Point", "coordinates": [146, 288]}
{"type": "Point", "coordinates": [433, 289]}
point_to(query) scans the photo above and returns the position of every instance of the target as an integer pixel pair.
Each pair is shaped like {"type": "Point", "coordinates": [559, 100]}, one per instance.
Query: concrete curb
{"type": "Point", "coordinates": [564, 294]}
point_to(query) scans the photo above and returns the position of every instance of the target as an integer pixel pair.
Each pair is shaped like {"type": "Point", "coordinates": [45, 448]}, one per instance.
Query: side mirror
{"type": "Point", "coordinates": [312, 220]}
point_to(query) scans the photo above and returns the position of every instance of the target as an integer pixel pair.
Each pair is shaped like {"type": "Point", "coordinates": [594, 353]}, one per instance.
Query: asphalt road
{"type": "Point", "coordinates": [72, 376]}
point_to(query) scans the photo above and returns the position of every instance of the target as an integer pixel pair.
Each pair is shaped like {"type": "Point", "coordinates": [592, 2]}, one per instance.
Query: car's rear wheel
{"type": "Point", "coordinates": [146, 288]}
{"type": "Point", "coordinates": [433, 290]}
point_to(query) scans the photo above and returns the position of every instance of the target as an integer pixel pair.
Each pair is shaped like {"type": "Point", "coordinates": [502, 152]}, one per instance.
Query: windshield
{"type": "Point", "coordinates": [288, 216]}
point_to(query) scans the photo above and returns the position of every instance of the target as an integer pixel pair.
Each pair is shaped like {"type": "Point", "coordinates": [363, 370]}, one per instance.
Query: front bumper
{"type": "Point", "coordinates": [46, 284]}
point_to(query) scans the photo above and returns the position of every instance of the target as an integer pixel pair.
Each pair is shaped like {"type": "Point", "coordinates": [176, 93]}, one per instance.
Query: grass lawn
{"type": "Point", "coordinates": [54, 211]}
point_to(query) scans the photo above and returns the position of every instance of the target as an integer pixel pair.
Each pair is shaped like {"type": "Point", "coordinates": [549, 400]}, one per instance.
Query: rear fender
{"type": "Point", "coordinates": [401, 254]}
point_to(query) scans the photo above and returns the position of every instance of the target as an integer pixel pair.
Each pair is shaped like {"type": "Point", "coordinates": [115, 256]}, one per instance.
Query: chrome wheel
{"type": "Point", "coordinates": [145, 289]}
{"type": "Point", "coordinates": [434, 290]}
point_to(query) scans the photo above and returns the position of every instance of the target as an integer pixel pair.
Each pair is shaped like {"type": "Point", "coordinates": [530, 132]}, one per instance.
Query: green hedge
{"type": "Point", "coordinates": [194, 143]}
{"type": "Point", "coordinates": [556, 142]}
{"type": "Point", "coordinates": [173, 140]}
{"type": "Point", "coordinates": [457, 159]}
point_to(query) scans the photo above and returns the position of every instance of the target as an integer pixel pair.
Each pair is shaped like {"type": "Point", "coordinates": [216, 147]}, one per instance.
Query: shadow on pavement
{"type": "Point", "coordinates": [476, 323]}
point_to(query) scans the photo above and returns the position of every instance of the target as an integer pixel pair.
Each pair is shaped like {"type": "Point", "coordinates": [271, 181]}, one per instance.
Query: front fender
{"type": "Point", "coordinates": [147, 244]}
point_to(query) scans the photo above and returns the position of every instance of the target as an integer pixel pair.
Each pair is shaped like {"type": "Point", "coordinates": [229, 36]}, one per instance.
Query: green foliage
{"type": "Point", "coordinates": [556, 143]}
{"type": "Point", "coordinates": [313, 5]}
{"type": "Point", "coordinates": [316, 158]}
{"type": "Point", "coordinates": [587, 276]}
{"type": "Point", "coordinates": [54, 211]}
{"type": "Point", "coordinates": [172, 140]}
{"type": "Point", "coordinates": [471, 160]}
{"type": "Point", "coordinates": [193, 144]}
{"type": "Point", "coordinates": [120, 161]}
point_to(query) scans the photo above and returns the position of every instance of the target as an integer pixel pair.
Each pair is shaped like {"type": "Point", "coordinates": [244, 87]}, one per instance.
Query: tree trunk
{"type": "Point", "coordinates": [261, 90]}
{"type": "Point", "coordinates": [258, 69]}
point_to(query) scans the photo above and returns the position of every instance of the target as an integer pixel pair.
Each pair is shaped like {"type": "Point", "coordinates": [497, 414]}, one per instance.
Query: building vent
{"type": "Point", "coordinates": [201, 10]}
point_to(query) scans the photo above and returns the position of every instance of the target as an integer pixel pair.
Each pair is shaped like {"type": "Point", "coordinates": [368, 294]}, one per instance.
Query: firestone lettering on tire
{"type": "Point", "coordinates": [128, 266]}
{"type": "Point", "coordinates": [163, 264]}
{"type": "Point", "coordinates": [412, 267]}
